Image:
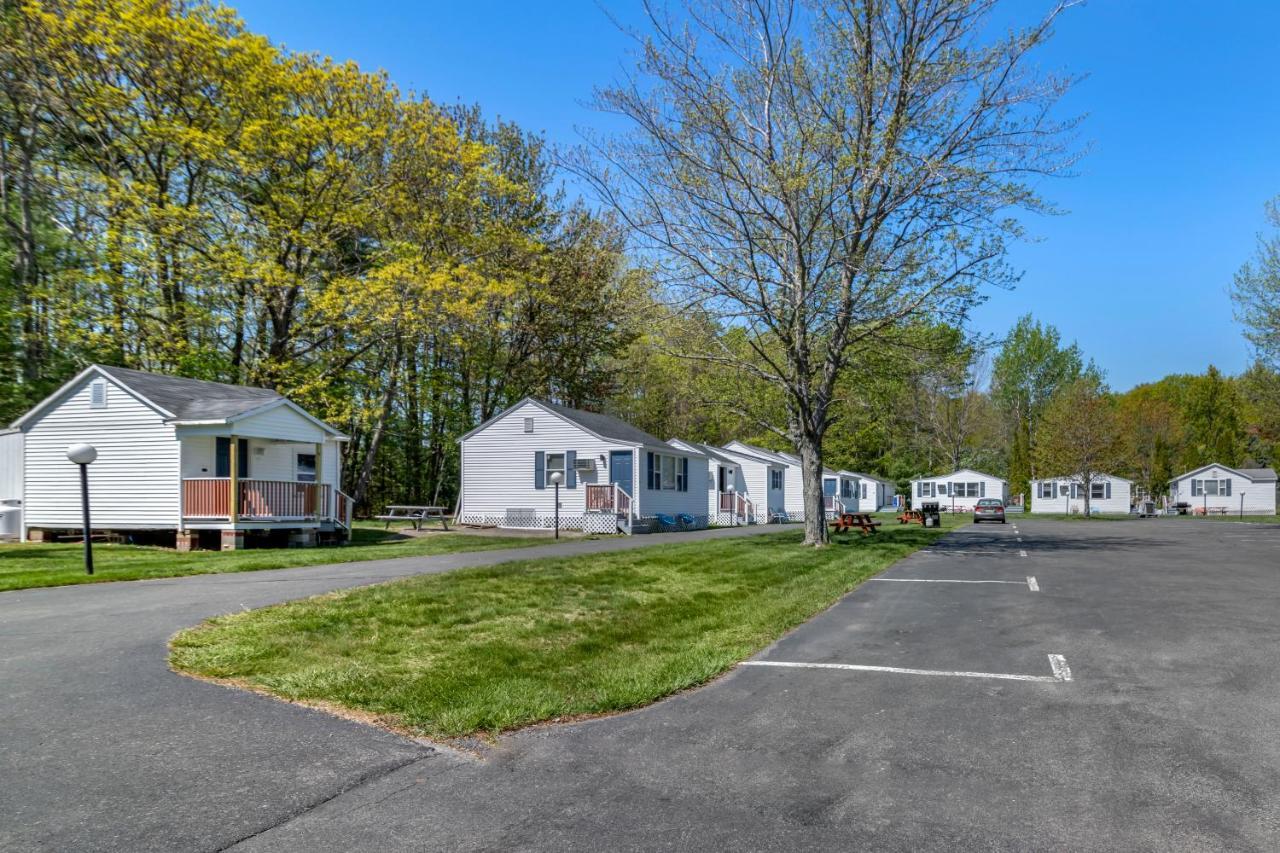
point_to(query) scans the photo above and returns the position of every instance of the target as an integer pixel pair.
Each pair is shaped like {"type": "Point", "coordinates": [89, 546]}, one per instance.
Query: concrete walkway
{"type": "Point", "coordinates": [103, 748]}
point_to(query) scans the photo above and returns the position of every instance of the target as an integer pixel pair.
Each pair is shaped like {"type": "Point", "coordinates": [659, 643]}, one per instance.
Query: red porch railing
{"type": "Point", "coordinates": [206, 498]}
{"type": "Point", "coordinates": [262, 499]}
{"type": "Point", "coordinates": [607, 497]}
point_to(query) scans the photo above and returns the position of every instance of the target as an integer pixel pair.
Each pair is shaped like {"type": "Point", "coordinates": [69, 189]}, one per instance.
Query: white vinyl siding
{"type": "Point", "coordinates": [960, 489]}
{"type": "Point", "coordinates": [1251, 497]}
{"type": "Point", "coordinates": [1112, 496]}
{"type": "Point", "coordinates": [672, 501]}
{"type": "Point", "coordinates": [498, 465]}
{"type": "Point", "coordinates": [133, 484]}
{"type": "Point", "coordinates": [281, 422]}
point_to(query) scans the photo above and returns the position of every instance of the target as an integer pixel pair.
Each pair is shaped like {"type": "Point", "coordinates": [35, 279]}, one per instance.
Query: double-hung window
{"type": "Point", "coordinates": [1211, 488]}
{"type": "Point", "coordinates": [775, 479]}
{"type": "Point", "coordinates": [1097, 491]}
{"type": "Point", "coordinates": [668, 473]}
{"type": "Point", "coordinates": [555, 465]}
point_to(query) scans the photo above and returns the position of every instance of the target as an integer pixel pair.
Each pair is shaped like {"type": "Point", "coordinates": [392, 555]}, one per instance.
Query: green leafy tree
{"type": "Point", "coordinates": [1214, 422]}
{"type": "Point", "coordinates": [1256, 291]}
{"type": "Point", "coordinates": [824, 174]}
{"type": "Point", "coordinates": [1079, 436]}
{"type": "Point", "coordinates": [1030, 369]}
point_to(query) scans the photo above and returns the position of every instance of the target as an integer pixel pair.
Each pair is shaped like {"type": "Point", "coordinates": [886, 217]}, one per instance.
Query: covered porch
{"type": "Point", "coordinates": [264, 473]}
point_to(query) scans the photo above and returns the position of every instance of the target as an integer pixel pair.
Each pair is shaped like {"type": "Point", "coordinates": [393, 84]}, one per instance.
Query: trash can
{"type": "Point", "coordinates": [931, 513]}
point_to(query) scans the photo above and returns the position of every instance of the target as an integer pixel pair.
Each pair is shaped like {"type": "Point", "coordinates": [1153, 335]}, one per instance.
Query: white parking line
{"type": "Point", "coordinates": [1061, 672]}
{"type": "Point", "coordinates": [939, 580]}
{"type": "Point", "coordinates": [1030, 582]}
{"type": "Point", "coordinates": [1022, 553]}
{"type": "Point", "coordinates": [967, 551]}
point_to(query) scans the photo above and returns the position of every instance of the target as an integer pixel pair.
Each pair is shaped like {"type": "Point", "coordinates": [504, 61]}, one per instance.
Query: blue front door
{"type": "Point", "coordinates": [620, 470]}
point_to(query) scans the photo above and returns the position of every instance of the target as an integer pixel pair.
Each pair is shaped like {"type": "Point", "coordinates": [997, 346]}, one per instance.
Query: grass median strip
{"type": "Point", "coordinates": [481, 651]}
{"type": "Point", "coordinates": [45, 564]}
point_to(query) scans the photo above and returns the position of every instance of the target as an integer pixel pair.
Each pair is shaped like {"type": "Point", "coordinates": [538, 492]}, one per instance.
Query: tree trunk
{"type": "Point", "coordinates": [815, 514]}
{"type": "Point", "coordinates": [379, 430]}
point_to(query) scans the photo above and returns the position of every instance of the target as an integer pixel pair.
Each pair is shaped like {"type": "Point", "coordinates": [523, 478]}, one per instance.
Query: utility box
{"type": "Point", "coordinates": [931, 513]}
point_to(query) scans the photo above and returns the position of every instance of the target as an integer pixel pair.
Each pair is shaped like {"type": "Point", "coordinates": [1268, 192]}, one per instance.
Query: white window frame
{"type": "Point", "coordinates": [667, 468]}
{"type": "Point", "coordinates": [1098, 490]}
{"type": "Point", "coordinates": [298, 476]}
{"type": "Point", "coordinates": [549, 468]}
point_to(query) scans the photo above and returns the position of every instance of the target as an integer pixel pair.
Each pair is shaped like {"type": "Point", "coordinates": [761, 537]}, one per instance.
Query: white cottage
{"type": "Point", "coordinates": [206, 462]}
{"type": "Point", "coordinates": [871, 493]}
{"type": "Point", "coordinates": [1108, 495]}
{"type": "Point", "coordinates": [959, 490]}
{"type": "Point", "coordinates": [1220, 489]}
{"type": "Point", "coordinates": [792, 478]}
{"type": "Point", "coordinates": [728, 500]}
{"type": "Point", "coordinates": [840, 490]}
{"type": "Point", "coordinates": [613, 477]}
{"type": "Point", "coordinates": [765, 474]}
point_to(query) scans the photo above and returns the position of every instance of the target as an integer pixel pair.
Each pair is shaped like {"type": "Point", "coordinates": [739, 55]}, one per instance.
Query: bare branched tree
{"type": "Point", "coordinates": [821, 174]}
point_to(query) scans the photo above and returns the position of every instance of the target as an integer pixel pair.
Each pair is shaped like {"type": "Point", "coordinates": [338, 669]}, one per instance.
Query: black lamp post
{"type": "Point", "coordinates": [83, 455]}
{"type": "Point", "coordinates": [556, 477]}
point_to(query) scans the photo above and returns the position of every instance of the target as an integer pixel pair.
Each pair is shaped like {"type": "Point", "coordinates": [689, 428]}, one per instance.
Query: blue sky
{"type": "Point", "coordinates": [1183, 120]}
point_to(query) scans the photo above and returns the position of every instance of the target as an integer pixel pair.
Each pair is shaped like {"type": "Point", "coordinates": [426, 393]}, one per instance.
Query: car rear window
{"type": "Point", "coordinates": [988, 502]}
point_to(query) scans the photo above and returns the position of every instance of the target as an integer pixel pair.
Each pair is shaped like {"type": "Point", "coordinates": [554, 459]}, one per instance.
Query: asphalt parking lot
{"type": "Point", "coordinates": [1166, 736]}
{"type": "Point", "coordinates": [1036, 685]}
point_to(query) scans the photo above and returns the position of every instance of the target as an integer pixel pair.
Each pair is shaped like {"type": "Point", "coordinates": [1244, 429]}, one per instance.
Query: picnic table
{"type": "Point", "coordinates": [415, 515]}
{"type": "Point", "coordinates": [909, 515]}
{"type": "Point", "coordinates": [846, 521]}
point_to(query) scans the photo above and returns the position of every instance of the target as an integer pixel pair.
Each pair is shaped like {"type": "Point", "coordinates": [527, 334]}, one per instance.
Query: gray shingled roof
{"type": "Point", "coordinates": [1258, 473]}
{"type": "Point", "coordinates": [605, 426]}
{"type": "Point", "coordinates": [192, 399]}
{"type": "Point", "coordinates": [713, 452]}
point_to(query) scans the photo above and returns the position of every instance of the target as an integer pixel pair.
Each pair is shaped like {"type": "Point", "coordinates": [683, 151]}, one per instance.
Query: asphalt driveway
{"type": "Point", "coordinates": [937, 720]}
{"type": "Point", "coordinates": [103, 748]}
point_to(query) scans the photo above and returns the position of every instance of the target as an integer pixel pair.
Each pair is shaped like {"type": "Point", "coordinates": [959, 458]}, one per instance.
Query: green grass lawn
{"type": "Point", "coordinates": [481, 651]}
{"type": "Point", "coordinates": [58, 564]}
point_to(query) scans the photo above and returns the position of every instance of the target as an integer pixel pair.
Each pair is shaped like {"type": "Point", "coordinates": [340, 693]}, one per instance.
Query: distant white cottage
{"type": "Point", "coordinates": [1221, 489]}
{"type": "Point", "coordinates": [790, 507]}
{"type": "Point", "coordinates": [204, 462]}
{"type": "Point", "coordinates": [765, 477]}
{"type": "Point", "coordinates": [1108, 495]}
{"type": "Point", "coordinates": [614, 478]}
{"type": "Point", "coordinates": [959, 490]}
{"type": "Point", "coordinates": [729, 501]}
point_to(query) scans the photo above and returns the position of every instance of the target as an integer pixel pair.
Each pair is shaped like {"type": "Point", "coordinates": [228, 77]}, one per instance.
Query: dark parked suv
{"type": "Point", "coordinates": [989, 509]}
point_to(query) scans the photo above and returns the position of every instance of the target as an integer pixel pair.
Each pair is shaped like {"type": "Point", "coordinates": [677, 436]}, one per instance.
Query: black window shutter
{"type": "Point", "coordinates": [242, 459]}
{"type": "Point", "coordinates": [222, 457]}
{"type": "Point", "coordinates": [1108, 490]}
{"type": "Point", "coordinates": [570, 473]}
{"type": "Point", "coordinates": [684, 473]}
{"type": "Point", "coordinates": [1228, 482]}
{"type": "Point", "coordinates": [649, 475]}
{"type": "Point", "coordinates": [539, 469]}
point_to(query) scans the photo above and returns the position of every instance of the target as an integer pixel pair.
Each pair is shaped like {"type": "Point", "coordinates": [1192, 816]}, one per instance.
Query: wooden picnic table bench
{"type": "Point", "coordinates": [415, 515]}
{"type": "Point", "coordinates": [846, 521]}
{"type": "Point", "coordinates": [909, 515]}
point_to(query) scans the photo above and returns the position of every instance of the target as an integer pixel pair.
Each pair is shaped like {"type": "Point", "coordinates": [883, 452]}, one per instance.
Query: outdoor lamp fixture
{"type": "Point", "coordinates": [556, 477]}
{"type": "Point", "coordinates": [83, 455]}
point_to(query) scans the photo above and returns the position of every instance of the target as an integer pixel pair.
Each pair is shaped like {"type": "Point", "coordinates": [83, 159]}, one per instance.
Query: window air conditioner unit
{"type": "Point", "coordinates": [584, 464]}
